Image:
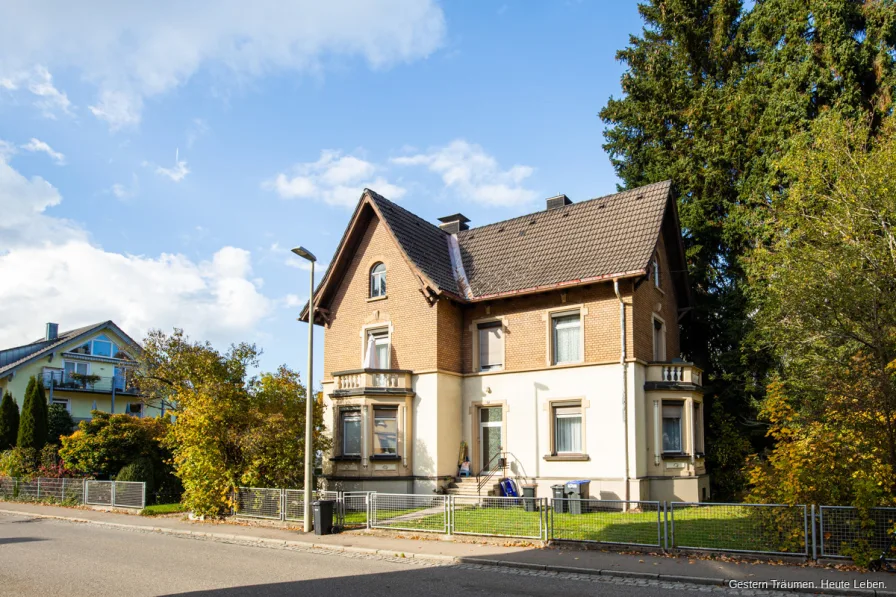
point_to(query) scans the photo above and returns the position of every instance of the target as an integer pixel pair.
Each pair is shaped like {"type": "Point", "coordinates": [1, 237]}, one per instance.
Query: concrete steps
{"type": "Point", "coordinates": [468, 487]}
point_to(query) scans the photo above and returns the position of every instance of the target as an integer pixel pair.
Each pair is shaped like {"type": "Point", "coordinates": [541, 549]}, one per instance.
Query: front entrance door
{"type": "Point", "coordinates": [490, 428]}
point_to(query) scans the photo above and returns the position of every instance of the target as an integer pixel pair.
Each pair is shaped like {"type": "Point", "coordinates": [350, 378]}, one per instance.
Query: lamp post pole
{"type": "Point", "coordinates": [309, 396]}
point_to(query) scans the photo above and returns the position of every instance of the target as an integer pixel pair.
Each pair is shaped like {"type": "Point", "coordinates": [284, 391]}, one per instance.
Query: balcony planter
{"type": "Point", "coordinates": [85, 380]}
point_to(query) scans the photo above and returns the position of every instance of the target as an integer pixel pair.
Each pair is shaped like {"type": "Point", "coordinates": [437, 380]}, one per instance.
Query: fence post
{"type": "Point", "coordinates": [449, 511]}
{"type": "Point", "coordinates": [367, 508]}
{"type": "Point", "coordinates": [821, 526]}
{"type": "Point", "coordinates": [806, 530]}
{"type": "Point", "coordinates": [143, 502]}
{"type": "Point", "coordinates": [84, 490]}
{"type": "Point", "coordinates": [659, 527]}
{"type": "Point", "coordinates": [113, 493]}
{"type": "Point", "coordinates": [62, 495]}
{"type": "Point", "coordinates": [814, 551]}
{"type": "Point", "coordinates": [282, 505]}
{"type": "Point", "coordinates": [672, 525]}
{"type": "Point", "coordinates": [38, 488]}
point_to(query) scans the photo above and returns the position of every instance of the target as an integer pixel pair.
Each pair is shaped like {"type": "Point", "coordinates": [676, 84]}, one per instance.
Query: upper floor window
{"type": "Point", "coordinates": [657, 279]}
{"type": "Point", "coordinates": [659, 340]}
{"type": "Point", "coordinates": [566, 338]}
{"type": "Point", "coordinates": [491, 346]}
{"type": "Point", "coordinates": [378, 280]}
{"type": "Point", "coordinates": [101, 346]}
{"type": "Point", "coordinates": [377, 351]}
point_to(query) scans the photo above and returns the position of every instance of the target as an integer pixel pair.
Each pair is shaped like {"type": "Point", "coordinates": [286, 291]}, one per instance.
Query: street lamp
{"type": "Point", "coordinates": [309, 397]}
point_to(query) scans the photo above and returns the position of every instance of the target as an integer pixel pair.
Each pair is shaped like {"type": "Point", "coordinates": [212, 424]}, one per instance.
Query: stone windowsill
{"type": "Point", "coordinates": [567, 457]}
{"type": "Point", "coordinates": [372, 299]}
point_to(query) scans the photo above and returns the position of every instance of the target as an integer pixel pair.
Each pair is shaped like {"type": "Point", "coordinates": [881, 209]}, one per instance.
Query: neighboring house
{"type": "Point", "coordinates": [84, 369]}
{"type": "Point", "coordinates": [547, 340]}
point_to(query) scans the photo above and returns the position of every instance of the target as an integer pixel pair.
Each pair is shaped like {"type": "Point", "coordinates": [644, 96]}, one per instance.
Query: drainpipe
{"type": "Point", "coordinates": [622, 361]}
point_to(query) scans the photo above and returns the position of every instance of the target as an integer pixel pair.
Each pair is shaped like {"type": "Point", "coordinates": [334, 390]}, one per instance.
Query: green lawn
{"type": "Point", "coordinates": [158, 509]}
{"type": "Point", "coordinates": [725, 527]}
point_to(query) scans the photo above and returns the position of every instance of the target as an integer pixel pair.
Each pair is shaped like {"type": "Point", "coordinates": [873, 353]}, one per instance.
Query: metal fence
{"type": "Point", "coordinates": [279, 504]}
{"type": "Point", "coordinates": [120, 494]}
{"type": "Point", "coordinates": [845, 529]}
{"type": "Point", "coordinates": [498, 516]}
{"type": "Point", "coordinates": [408, 512]}
{"type": "Point", "coordinates": [608, 521]}
{"type": "Point", "coordinates": [355, 508]}
{"type": "Point", "coordinates": [748, 528]}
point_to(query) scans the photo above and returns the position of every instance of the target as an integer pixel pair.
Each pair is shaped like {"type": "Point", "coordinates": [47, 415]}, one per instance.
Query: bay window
{"type": "Point", "coordinates": [672, 428]}
{"type": "Point", "coordinates": [351, 432]}
{"type": "Point", "coordinates": [385, 431]}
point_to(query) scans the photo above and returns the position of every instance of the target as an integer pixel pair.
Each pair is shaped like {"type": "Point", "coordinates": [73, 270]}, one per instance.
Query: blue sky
{"type": "Point", "coordinates": [156, 162]}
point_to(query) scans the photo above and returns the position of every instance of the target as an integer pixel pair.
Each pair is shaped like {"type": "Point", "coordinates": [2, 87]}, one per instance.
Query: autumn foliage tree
{"type": "Point", "coordinates": [824, 285]}
{"type": "Point", "coordinates": [230, 428]}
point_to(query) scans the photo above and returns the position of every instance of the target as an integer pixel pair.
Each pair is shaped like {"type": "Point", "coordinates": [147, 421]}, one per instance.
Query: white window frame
{"type": "Point", "coordinates": [113, 347]}
{"type": "Point", "coordinates": [397, 416]}
{"type": "Point", "coordinates": [67, 403]}
{"type": "Point", "coordinates": [355, 414]}
{"type": "Point", "coordinates": [559, 404]}
{"type": "Point", "coordinates": [659, 355]}
{"type": "Point", "coordinates": [657, 274]}
{"type": "Point", "coordinates": [379, 276]}
{"type": "Point", "coordinates": [681, 415]}
{"type": "Point", "coordinates": [374, 327]}
{"type": "Point", "coordinates": [477, 356]}
{"type": "Point", "coordinates": [75, 363]}
{"type": "Point", "coordinates": [553, 314]}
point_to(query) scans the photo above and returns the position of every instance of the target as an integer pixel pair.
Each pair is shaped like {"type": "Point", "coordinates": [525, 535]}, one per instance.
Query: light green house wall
{"type": "Point", "coordinates": [80, 402]}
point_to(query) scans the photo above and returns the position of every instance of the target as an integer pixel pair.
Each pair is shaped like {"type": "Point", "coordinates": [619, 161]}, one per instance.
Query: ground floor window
{"type": "Point", "coordinates": [63, 402]}
{"type": "Point", "coordinates": [135, 408]}
{"type": "Point", "coordinates": [351, 432]}
{"type": "Point", "coordinates": [568, 428]}
{"type": "Point", "coordinates": [385, 430]}
{"type": "Point", "coordinates": [672, 428]}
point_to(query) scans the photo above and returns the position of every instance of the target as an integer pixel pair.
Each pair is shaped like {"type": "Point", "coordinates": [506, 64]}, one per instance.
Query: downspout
{"type": "Point", "coordinates": [622, 361]}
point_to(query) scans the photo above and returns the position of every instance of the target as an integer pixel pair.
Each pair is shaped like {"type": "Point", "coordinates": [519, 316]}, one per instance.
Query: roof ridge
{"type": "Point", "coordinates": [561, 208]}
{"type": "Point", "coordinates": [377, 197]}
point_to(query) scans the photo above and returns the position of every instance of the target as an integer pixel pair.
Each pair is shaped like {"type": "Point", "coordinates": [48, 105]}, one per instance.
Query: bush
{"type": "Point", "coordinates": [107, 443]}
{"type": "Point", "coordinates": [9, 422]}
{"type": "Point", "coordinates": [141, 471]}
{"type": "Point", "coordinates": [19, 462]}
{"type": "Point", "coordinates": [60, 423]}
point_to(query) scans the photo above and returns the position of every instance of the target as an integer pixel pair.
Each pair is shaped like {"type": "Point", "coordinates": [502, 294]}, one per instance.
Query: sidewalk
{"type": "Point", "coordinates": [568, 560]}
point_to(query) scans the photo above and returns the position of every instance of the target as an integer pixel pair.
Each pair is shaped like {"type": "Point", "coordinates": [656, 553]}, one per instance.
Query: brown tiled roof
{"type": "Point", "coordinates": [424, 243]}
{"type": "Point", "coordinates": [596, 239]}
{"type": "Point", "coordinates": [602, 237]}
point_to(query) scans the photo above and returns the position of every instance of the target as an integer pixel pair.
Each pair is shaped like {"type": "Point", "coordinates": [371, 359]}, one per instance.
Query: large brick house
{"type": "Point", "coordinates": [541, 346]}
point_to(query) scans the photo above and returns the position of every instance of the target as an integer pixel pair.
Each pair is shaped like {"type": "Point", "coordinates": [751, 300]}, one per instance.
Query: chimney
{"type": "Point", "coordinates": [52, 331]}
{"type": "Point", "coordinates": [454, 223]}
{"type": "Point", "coordinates": [558, 201]}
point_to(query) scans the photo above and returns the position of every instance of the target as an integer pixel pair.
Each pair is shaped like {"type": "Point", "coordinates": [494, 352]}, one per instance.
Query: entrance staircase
{"type": "Point", "coordinates": [469, 487]}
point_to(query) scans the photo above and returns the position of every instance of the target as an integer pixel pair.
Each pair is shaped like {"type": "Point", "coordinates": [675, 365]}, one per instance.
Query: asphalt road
{"type": "Point", "coordinates": [48, 557]}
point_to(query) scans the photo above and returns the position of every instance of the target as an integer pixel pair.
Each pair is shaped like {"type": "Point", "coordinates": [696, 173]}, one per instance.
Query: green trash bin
{"type": "Point", "coordinates": [529, 498]}
{"type": "Point", "coordinates": [560, 504]}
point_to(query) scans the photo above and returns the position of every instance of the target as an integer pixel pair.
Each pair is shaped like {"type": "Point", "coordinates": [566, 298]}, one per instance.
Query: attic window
{"type": "Point", "coordinates": [378, 280]}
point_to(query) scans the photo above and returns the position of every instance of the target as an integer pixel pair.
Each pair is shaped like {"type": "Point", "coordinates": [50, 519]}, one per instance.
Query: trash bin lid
{"type": "Point", "coordinates": [582, 482]}
{"type": "Point", "coordinates": [557, 486]}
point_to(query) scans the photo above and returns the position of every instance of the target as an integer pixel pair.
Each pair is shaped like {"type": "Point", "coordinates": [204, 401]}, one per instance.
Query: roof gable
{"type": "Point", "coordinates": [13, 358]}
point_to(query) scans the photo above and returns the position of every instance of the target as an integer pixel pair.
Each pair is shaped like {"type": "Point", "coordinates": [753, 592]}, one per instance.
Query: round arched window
{"type": "Point", "coordinates": [378, 280]}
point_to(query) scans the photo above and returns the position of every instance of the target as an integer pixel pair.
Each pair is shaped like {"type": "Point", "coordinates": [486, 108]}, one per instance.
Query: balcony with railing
{"type": "Point", "coordinates": [674, 375]}
{"type": "Point", "coordinates": [74, 382]}
{"type": "Point", "coordinates": [372, 381]}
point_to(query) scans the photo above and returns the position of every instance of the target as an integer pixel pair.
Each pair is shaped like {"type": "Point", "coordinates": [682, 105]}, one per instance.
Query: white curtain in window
{"type": "Point", "coordinates": [568, 429]}
{"type": "Point", "coordinates": [491, 340]}
{"type": "Point", "coordinates": [672, 428]}
{"type": "Point", "coordinates": [567, 330]}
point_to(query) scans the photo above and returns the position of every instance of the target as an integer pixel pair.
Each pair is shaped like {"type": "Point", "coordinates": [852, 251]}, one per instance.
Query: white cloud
{"type": "Point", "coordinates": [35, 145]}
{"type": "Point", "coordinates": [52, 271]}
{"type": "Point", "coordinates": [335, 179]}
{"type": "Point", "coordinates": [118, 108]}
{"type": "Point", "coordinates": [37, 81]}
{"type": "Point", "coordinates": [474, 174]}
{"type": "Point", "coordinates": [199, 128]}
{"type": "Point", "coordinates": [178, 172]}
{"type": "Point", "coordinates": [134, 50]}
{"type": "Point", "coordinates": [123, 192]}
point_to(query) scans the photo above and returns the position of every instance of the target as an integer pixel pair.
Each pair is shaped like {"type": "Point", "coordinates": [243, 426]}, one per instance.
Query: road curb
{"type": "Point", "coordinates": [443, 559]}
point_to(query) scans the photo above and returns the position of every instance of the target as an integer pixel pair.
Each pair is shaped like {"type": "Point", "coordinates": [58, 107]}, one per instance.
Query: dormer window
{"type": "Point", "coordinates": [378, 280]}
